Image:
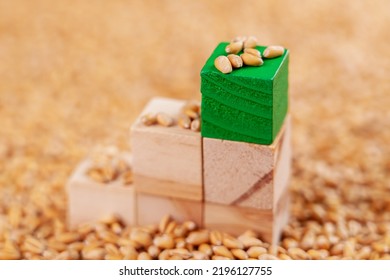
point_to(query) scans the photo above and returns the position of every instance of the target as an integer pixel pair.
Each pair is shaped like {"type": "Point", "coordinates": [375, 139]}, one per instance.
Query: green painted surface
{"type": "Point", "coordinates": [247, 105]}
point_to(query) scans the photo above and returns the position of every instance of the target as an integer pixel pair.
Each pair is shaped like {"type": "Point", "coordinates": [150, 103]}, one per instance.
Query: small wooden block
{"type": "Point", "coordinates": [151, 208]}
{"type": "Point", "coordinates": [246, 174]}
{"type": "Point", "coordinates": [89, 200]}
{"type": "Point", "coordinates": [167, 160]}
{"type": "Point", "coordinates": [236, 220]}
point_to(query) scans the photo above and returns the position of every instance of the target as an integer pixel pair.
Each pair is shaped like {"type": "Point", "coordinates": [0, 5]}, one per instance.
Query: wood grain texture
{"type": "Point", "coordinates": [268, 223]}
{"type": "Point", "coordinates": [245, 174]}
{"type": "Point", "coordinates": [171, 157]}
{"type": "Point", "coordinates": [151, 208]}
{"type": "Point", "coordinates": [89, 200]}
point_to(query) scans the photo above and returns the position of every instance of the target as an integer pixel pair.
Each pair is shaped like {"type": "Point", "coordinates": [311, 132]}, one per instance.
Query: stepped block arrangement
{"type": "Point", "coordinates": [228, 170]}
{"type": "Point", "coordinates": [90, 200]}
{"type": "Point", "coordinates": [248, 104]}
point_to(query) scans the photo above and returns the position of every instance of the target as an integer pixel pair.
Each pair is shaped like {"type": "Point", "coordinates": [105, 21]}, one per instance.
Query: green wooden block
{"type": "Point", "coordinates": [248, 104]}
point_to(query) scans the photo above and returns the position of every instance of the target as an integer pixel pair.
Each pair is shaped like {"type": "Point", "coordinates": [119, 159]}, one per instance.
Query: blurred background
{"type": "Point", "coordinates": [75, 74]}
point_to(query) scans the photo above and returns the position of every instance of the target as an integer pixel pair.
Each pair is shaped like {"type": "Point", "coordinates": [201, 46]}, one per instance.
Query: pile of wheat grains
{"type": "Point", "coordinates": [75, 76]}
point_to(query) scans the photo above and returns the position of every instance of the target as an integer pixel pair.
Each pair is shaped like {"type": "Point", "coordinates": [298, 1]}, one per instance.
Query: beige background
{"type": "Point", "coordinates": [74, 75]}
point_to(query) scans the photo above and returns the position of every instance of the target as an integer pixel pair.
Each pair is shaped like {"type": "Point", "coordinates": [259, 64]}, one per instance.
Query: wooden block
{"type": "Point", "coordinates": [246, 174]}
{"type": "Point", "coordinates": [151, 208]}
{"type": "Point", "coordinates": [236, 220]}
{"type": "Point", "coordinates": [167, 160]}
{"type": "Point", "coordinates": [89, 200]}
{"type": "Point", "coordinates": [247, 105]}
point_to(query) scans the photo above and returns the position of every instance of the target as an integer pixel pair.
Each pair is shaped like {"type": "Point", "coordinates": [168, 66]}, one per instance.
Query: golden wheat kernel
{"type": "Point", "coordinates": [251, 60]}
{"type": "Point", "coordinates": [111, 249]}
{"type": "Point", "coordinates": [252, 51]}
{"type": "Point", "coordinates": [364, 253]}
{"type": "Point", "coordinates": [149, 119]}
{"type": "Point", "coordinates": [235, 60]}
{"type": "Point", "coordinates": [216, 237]}
{"type": "Point", "coordinates": [93, 253]}
{"type": "Point", "coordinates": [108, 236]}
{"type": "Point", "coordinates": [232, 243]}
{"type": "Point", "coordinates": [249, 241]}
{"type": "Point", "coordinates": [33, 245]}
{"type": "Point", "coordinates": [165, 220]}
{"type": "Point", "coordinates": [198, 255]}
{"type": "Point", "coordinates": [298, 254]}
{"type": "Point", "coordinates": [180, 231]}
{"type": "Point", "coordinates": [273, 51]}
{"type": "Point", "coordinates": [221, 250]}
{"type": "Point", "coordinates": [170, 227]}
{"type": "Point", "coordinates": [48, 254]}
{"type": "Point", "coordinates": [164, 241]}
{"type": "Point", "coordinates": [113, 257]}
{"type": "Point", "coordinates": [164, 255]}
{"type": "Point", "coordinates": [198, 237]}
{"type": "Point", "coordinates": [250, 42]}
{"type": "Point", "coordinates": [182, 252]}
{"type": "Point", "coordinates": [154, 251]}
{"type": "Point", "coordinates": [249, 233]}
{"type": "Point", "coordinates": [175, 257]}
{"type": "Point", "coordinates": [316, 255]}
{"type": "Point", "coordinates": [127, 177]}
{"type": "Point", "coordinates": [234, 47]}
{"type": "Point", "coordinates": [68, 237]}
{"type": "Point", "coordinates": [116, 228]}
{"type": "Point", "coordinates": [189, 225]}
{"type": "Point", "coordinates": [195, 125]}
{"type": "Point", "coordinates": [144, 256]}
{"type": "Point", "coordinates": [184, 121]}
{"type": "Point", "coordinates": [191, 113]}
{"type": "Point", "coordinates": [282, 256]}
{"type": "Point", "coordinates": [256, 251]}
{"type": "Point", "coordinates": [78, 245]}
{"type": "Point", "coordinates": [267, 257]}
{"type": "Point", "coordinates": [308, 240]}
{"type": "Point", "coordinates": [206, 249]}
{"type": "Point", "coordinates": [127, 249]}
{"type": "Point", "coordinates": [222, 63]}
{"type": "Point", "coordinates": [337, 249]}
{"type": "Point", "coordinates": [289, 243]}
{"type": "Point", "coordinates": [164, 119]}
{"type": "Point", "coordinates": [322, 242]}
{"type": "Point", "coordinates": [239, 254]}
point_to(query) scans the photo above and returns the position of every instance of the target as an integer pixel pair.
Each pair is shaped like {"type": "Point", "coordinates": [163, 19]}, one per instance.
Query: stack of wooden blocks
{"type": "Point", "coordinates": [234, 175]}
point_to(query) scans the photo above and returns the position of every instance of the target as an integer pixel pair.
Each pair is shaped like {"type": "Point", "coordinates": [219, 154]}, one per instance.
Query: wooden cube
{"type": "Point", "coordinates": [248, 105]}
{"type": "Point", "coordinates": [89, 200]}
{"type": "Point", "coordinates": [167, 161]}
{"type": "Point", "coordinates": [268, 223]}
{"type": "Point", "coordinates": [151, 208]}
{"type": "Point", "coordinates": [246, 174]}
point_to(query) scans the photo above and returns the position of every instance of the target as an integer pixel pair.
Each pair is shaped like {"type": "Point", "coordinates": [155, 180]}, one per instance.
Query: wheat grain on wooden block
{"type": "Point", "coordinates": [246, 174]}
{"type": "Point", "coordinates": [90, 200]}
{"type": "Point", "coordinates": [151, 208]}
{"type": "Point", "coordinates": [235, 220]}
{"type": "Point", "coordinates": [167, 160]}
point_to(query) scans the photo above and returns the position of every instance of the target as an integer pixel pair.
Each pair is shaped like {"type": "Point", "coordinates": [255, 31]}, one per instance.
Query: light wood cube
{"type": "Point", "coordinates": [89, 200]}
{"type": "Point", "coordinates": [235, 220]}
{"type": "Point", "coordinates": [167, 161]}
{"type": "Point", "coordinates": [246, 174]}
{"type": "Point", "coordinates": [151, 208]}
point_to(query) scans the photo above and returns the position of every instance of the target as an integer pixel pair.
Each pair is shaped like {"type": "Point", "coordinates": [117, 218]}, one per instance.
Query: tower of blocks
{"type": "Point", "coordinates": [231, 173]}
